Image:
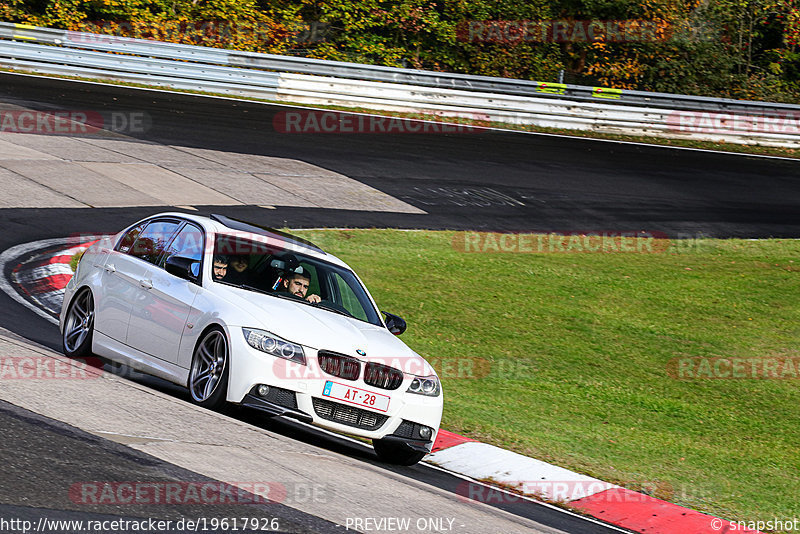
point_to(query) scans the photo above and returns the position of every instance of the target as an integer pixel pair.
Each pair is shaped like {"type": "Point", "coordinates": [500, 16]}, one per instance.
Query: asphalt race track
{"type": "Point", "coordinates": [484, 180]}
{"type": "Point", "coordinates": [541, 183]}
{"type": "Point", "coordinates": [31, 441]}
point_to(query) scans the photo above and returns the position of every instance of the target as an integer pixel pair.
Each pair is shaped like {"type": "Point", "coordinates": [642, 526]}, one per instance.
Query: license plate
{"type": "Point", "coordinates": [357, 396]}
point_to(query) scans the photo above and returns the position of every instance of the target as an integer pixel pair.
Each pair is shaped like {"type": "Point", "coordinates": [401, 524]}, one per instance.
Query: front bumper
{"type": "Point", "coordinates": [272, 408]}
{"type": "Point", "coordinates": [307, 403]}
{"type": "Point", "coordinates": [281, 407]}
{"type": "Point", "coordinates": [412, 444]}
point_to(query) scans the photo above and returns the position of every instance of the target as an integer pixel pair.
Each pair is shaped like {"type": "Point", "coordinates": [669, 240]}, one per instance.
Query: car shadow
{"type": "Point", "coordinates": [280, 425]}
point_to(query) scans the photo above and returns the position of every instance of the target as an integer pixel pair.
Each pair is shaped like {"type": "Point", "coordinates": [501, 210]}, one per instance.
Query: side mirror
{"type": "Point", "coordinates": [396, 324]}
{"type": "Point", "coordinates": [185, 268]}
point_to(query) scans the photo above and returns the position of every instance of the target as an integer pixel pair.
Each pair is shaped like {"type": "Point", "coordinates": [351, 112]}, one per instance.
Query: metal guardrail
{"type": "Point", "coordinates": [618, 118]}
{"type": "Point", "coordinates": [312, 81]}
{"type": "Point", "coordinates": [146, 79]}
{"type": "Point", "coordinates": [164, 64]}
{"type": "Point", "coordinates": [337, 69]}
{"type": "Point", "coordinates": [142, 65]}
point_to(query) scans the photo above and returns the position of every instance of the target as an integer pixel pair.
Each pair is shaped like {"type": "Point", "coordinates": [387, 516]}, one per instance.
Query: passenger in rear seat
{"type": "Point", "coordinates": [238, 270]}
{"type": "Point", "coordinates": [220, 266]}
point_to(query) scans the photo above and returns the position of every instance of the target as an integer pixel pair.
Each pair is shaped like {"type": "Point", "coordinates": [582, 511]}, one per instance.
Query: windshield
{"type": "Point", "coordinates": [266, 268]}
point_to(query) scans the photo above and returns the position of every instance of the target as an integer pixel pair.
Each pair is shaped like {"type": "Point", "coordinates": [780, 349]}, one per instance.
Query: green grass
{"type": "Point", "coordinates": [578, 348]}
{"type": "Point", "coordinates": [73, 262]}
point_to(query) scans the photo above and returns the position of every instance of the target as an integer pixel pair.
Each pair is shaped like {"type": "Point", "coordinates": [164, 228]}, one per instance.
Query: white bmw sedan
{"type": "Point", "coordinates": [253, 316]}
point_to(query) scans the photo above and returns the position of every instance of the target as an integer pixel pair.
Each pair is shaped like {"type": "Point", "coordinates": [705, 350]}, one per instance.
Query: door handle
{"type": "Point", "coordinates": [147, 284]}
{"type": "Point", "coordinates": [110, 268]}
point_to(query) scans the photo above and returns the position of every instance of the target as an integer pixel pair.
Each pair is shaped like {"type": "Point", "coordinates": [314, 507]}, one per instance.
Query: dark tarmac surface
{"type": "Point", "coordinates": [486, 180]}
{"type": "Point", "coordinates": [53, 471]}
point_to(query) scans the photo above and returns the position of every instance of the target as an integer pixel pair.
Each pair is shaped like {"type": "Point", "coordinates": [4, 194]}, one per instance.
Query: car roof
{"type": "Point", "coordinates": [222, 224]}
{"type": "Point", "coordinates": [253, 228]}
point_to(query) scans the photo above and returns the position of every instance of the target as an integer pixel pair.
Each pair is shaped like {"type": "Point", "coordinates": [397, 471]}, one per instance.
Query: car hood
{"type": "Point", "coordinates": [324, 330]}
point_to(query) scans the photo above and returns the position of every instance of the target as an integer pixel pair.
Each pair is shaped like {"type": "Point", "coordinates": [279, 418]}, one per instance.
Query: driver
{"type": "Point", "coordinates": [297, 281]}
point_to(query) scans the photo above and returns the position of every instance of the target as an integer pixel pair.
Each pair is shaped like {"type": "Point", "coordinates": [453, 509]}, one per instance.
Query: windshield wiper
{"type": "Point", "coordinates": [335, 310]}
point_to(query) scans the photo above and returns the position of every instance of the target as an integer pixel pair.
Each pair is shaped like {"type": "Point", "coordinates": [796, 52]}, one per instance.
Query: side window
{"type": "Point", "coordinates": [187, 244]}
{"type": "Point", "coordinates": [128, 239]}
{"type": "Point", "coordinates": [314, 285]}
{"type": "Point", "coordinates": [152, 241]}
{"type": "Point", "coordinates": [349, 299]}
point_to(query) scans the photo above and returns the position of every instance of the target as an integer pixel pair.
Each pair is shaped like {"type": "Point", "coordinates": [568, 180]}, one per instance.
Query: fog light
{"type": "Point", "coordinates": [263, 390]}
{"type": "Point", "coordinates": [425, 432]}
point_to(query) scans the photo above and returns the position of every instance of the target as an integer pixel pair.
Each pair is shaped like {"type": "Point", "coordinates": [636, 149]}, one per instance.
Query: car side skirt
{"type": "Point", "coordinates": [109, 348]}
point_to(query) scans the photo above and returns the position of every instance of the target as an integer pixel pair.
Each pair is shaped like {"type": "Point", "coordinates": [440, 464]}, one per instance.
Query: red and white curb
{"type": "Point", "coordinates": [14, 291]}
{"type": "Point", "coordinates": [44, 277]}
{"type": "Point", "coordinates": [39, 281]}
{"type": "Point", "coordinates": [611, 503]}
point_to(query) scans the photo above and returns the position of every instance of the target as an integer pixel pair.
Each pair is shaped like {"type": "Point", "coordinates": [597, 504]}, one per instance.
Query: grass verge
{"type": "Point", "coordinates": [582, 351]}
{"type": "Point", "coordinates": [73, 262]}
{"type": "Point", "coordinates": [684, 143]}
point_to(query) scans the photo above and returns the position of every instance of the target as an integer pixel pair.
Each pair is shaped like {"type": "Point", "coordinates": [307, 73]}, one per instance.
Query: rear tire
{"type": "Point", "coordinates": [208, 377]}
{"type": "Point", "coordinates": [76, 340]}
{"type": "Point", "coordinates": [393, 453]}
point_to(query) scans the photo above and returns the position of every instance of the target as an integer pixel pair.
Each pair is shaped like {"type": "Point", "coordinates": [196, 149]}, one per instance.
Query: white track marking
{"type": "Point", "coordinates": [51, 269]}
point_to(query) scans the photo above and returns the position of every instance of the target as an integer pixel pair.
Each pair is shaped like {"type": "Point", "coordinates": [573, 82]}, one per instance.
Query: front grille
{"type": "Point", "coordinates": [339, 365]}
{"type": "Point", "coordinates": [348, 415]}
{"type": "Point", "coordinates": [383, 376]}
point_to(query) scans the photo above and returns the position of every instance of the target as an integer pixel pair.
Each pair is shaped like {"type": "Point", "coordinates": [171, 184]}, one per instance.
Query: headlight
{"type": "Point", "coordinates": [272, 344]}
{"type": "Point", "coordinates": [425, 385]}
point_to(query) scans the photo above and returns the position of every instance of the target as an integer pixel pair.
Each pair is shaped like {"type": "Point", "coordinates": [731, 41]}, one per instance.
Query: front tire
{"type": "Point", "coordinates": [76, 340]}
{"type": "Point", "coordinates": [208, 377]}
{"type": "Point", "coordinates": [395, 453]}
